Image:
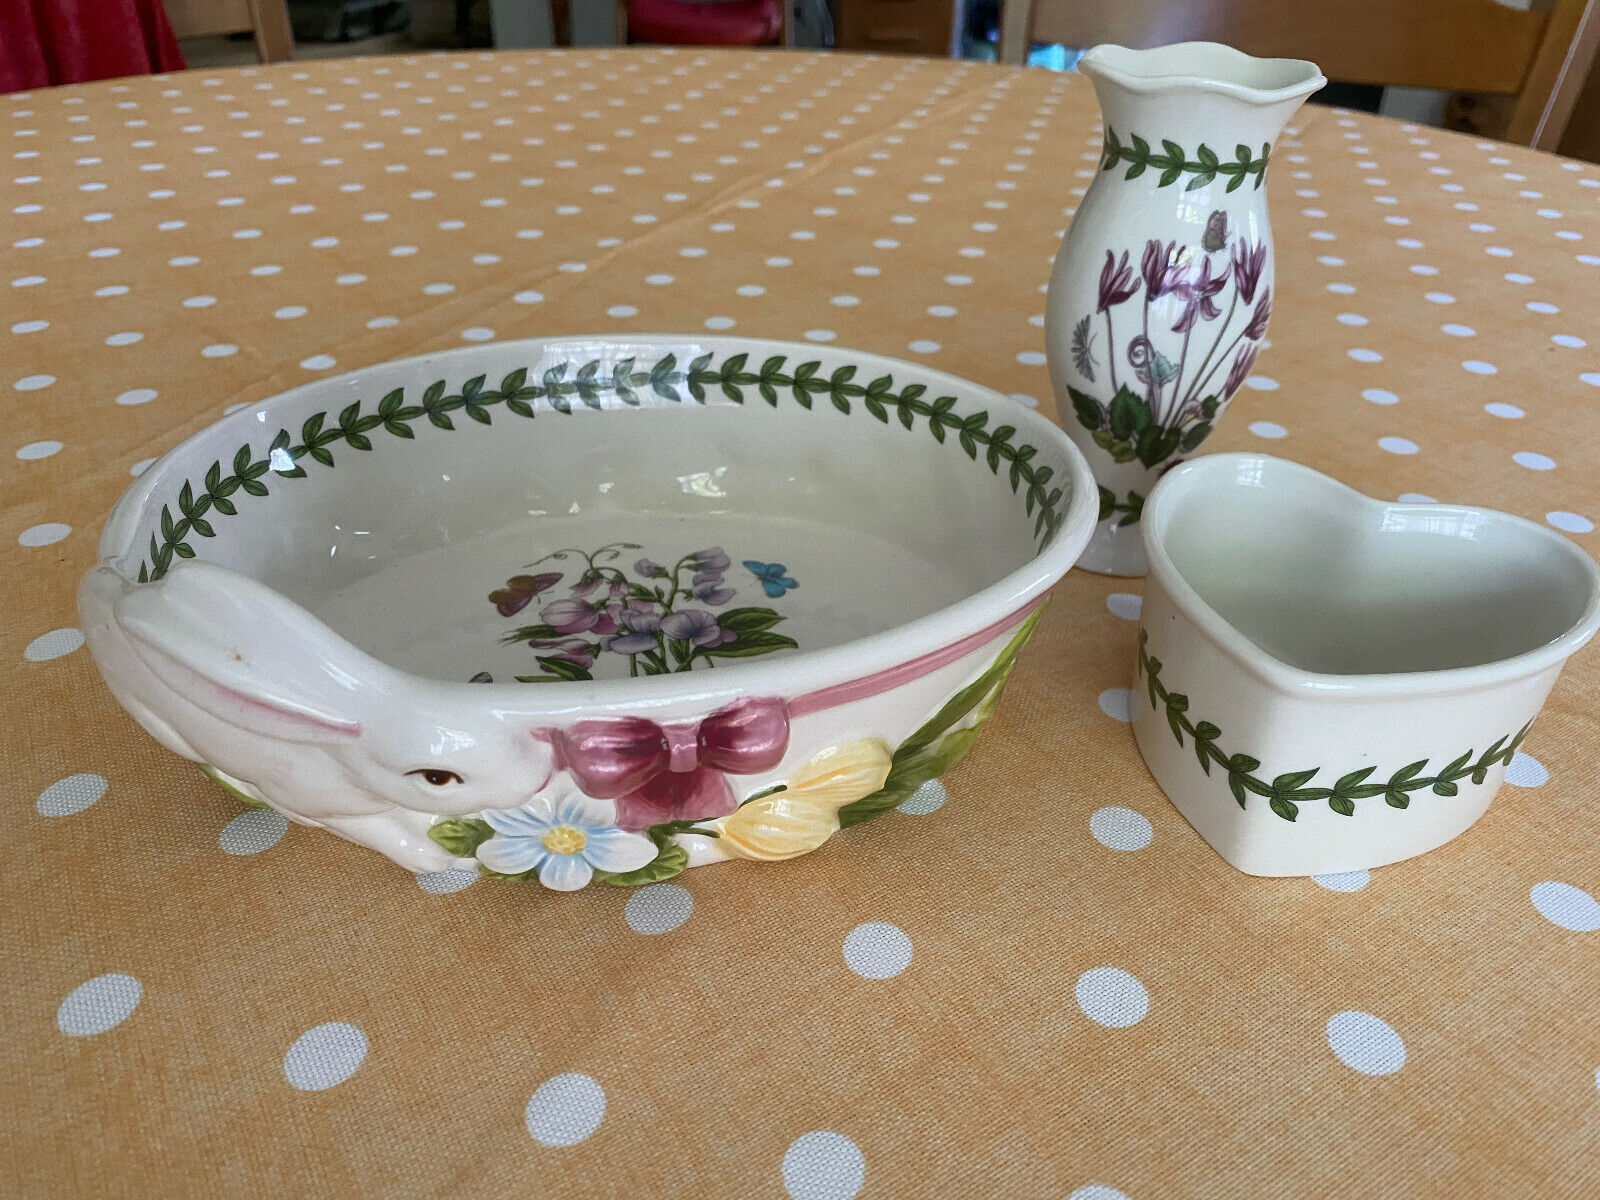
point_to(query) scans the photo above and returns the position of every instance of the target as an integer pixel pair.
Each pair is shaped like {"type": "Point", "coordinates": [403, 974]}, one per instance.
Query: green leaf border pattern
{"type": "Point", "coordinates": [1132, 509]}
{"type": "Point", "coordinates": [1286, 792]}
{"type": "Point", "coordinates": [1173, 162]}
{"type": "Point", "coordinates": [558, 386]}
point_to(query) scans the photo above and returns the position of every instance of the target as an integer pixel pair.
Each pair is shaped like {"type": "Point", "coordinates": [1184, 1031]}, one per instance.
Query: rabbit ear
{"type": "Point", "coordinates": [240, 651]}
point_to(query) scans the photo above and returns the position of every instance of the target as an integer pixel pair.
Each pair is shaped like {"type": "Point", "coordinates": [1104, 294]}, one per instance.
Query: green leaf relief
{"type": "Point", "coordinates": [938, 745]}
{"type": "Point", "coordinates": [461, 836]}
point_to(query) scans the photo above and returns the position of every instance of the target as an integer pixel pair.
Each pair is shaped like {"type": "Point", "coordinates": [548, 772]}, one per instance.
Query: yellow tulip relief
{"type": "Point", "coordinates": [806, 814]}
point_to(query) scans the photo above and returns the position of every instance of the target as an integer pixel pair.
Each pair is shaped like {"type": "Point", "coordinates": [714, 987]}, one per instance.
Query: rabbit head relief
{"type": "Point", "coordinates": [260, 689]}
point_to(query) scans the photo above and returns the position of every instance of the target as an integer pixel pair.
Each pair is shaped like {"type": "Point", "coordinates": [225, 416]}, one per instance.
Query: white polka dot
{"type": "Point", "coordinates": [846, 301]}
{"type": "Point", "coordinates": [318, 362]}
{"type": "Point", "coordinates": [1341, 289]}
{"type": "Point", "coordinates": [71, 795]}
{"type": "Point", "coordinates": [1479, 367]}
{"type": "Point", "coordinates": [1439, 297]}
{"type": "Point", "coordinates": [1342, 881]}
{"type": "Point", "coordinates": [1496, 408]}
{"type": "Point", "coordinates": [1567, 906]}
{"type": "Point", "coordinates": [350, 279]}
{"type": "Point", "coordinates": [220, 350]}
{"type": "Point", "coordinates": [1262, 383]}
{"type": "Point", "coordinates": [30, 326]}
{"type": "Point", "coordinates": [1592, 378]}
{"type": "Point", "coordinates": [252, 832]}
{"type": "Point", "coordinates": [1379, 396]}
{"type": "Point", "coordinates": [565, 1110]}
{"type": "Point", "coordinates": [658, 280]}
{"type": "Point", "coordinates": [438, 289]}
{"type": "Point", "coordinates": [115, 289]}
{"type": "Point", "coordinates": [1097, 1191]}
{"type": "Point", "coordinates": [47, 534]}
{"type": "Point", "coordinates": [777, 260]}
{"type": "Point", "coordinates": [1127, 605]}
{"type": "Point", "coordinates": [1268, 429]}
{"type": "Point", "coordinates": [820, 335]}
{"type": "Point", "coordinates": [1518, 277]}
{"type": "Point", "coordinates": [1110, 996]}
{"type": "Point", "coordinates": [1118, 828]}
{"type": "Point", "coordinates": [32, 383]}
{"type": "Point", "coordinates": [658, 908]}
{"type": "Point", "coordinates": [28, 281]}
{"type": "Point", "coordinates": [477, 333]}
{"type": "Point", "coordinates": [291, 311]}
{"type": "Point", "coordinates": [1366, 1043]}
{"type": "Point", "coordinates": [451, 879]}
{"type": "Point", "coordinates": [124, 339]}
{"type": "Point", "coordinates": [1570, 522]}
{"type": "Point", "coordinates": [1568, 340]}
{"type": "Point", "coordinates": [1542, 306]}
{"type": "Point", "coordinates": [924, 346]}
{"type": "Point", "coordinates": [1398, 445]}
{"type": "Point", "coordinates": [823, 1165]}
{"type": "Point", "coordinates": [1351, 319]}
{"type": "Point", "coordinates": [1533, 461]}
{"type": "Point", "coordinates": [930, 797]}
{"type": "Point", "coordinates": [528, 297]}
{"type": "Point", "coordinates": [383, 322]}
{"type": "Point", "coordinates": [1526, 771]}
{"type": "Point", "coordinates": [52, 645]}
{"type": "Point", "coordinates": [877, 950]}
{"type": "Point", "coordinates": [1361, 354]}
{"type": "Point", "coordinates": [99, 1004]}
{"type": "Point", "coordinates": [1424, 269]}
{"type": "Point", "coordinates": [1031, 358]}
{"type": "Point", "coordinates": [1117, 703]}
{"type": "Point", "coordinates": [199, 301]}
{"type": "Point", "coordinates": [1463, 331]}
{"type": "Point", "coordinates": [325, 1056]}
{"type": "Point", "coordinates": [751, 289]}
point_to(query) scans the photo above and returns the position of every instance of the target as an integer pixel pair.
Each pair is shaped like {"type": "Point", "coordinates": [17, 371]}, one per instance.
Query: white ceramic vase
{"type": "Point", "coordinates": [1161, 292]}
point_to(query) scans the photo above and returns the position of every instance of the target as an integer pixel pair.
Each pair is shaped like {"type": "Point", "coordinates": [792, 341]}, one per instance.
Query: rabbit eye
{"type": "Point", "coordinates": [436, 776]}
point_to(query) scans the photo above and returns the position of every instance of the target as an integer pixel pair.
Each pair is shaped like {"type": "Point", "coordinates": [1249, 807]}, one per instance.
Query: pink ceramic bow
{"type": "Point", "coordinates": [673, 772]}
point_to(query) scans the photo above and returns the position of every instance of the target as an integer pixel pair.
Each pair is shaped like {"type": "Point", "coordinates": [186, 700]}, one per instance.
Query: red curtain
{"type": "Point", "coordinates": [73, 41]}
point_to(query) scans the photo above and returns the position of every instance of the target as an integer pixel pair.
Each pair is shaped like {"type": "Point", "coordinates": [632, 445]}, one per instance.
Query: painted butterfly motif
{"type": "Point", "coordinates": [520, 589]}
{"type": "Point", "coordinates": [1216, 235]}
{"type": "Point", "coordinates": [773, 577]}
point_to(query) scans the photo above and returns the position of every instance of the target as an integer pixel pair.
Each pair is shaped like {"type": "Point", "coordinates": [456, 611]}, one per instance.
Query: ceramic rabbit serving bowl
{"type": "Point", "coordinates": [1328, 682]}
{"type": "Point", "coordinates": [580, 608]}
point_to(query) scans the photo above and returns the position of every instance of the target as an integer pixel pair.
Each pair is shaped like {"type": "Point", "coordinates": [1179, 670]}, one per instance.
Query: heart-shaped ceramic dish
{"type": "Point", "coordinates": [1326, 681]}
{"type": "Point", "coordinates": [583, 607]}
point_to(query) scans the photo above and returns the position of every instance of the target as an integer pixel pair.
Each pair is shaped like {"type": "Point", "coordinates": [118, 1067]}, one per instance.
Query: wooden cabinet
{"type": "Point", "coordinates": [896, 26]}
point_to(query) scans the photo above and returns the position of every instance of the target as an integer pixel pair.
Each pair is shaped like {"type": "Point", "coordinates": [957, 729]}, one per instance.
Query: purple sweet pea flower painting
{"type": "Point", "coordinates": [654, 620]}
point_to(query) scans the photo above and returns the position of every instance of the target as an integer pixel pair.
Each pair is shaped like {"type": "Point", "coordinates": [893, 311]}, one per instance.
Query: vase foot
{"type": "Point", "coordinates": [1115, 550]}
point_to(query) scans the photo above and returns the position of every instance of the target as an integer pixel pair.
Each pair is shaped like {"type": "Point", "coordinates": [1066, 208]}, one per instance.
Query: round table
{"type": "Point", "coordinates": [1035, 980]}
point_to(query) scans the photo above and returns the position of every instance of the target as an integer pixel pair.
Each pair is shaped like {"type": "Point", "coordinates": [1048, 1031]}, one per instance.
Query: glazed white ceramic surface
{"type": "Point", "coordinates": [1161, 293]}
{"type": "Point", "coordinates": [1341, 645]}
{"type": "Point", "coordinates": [344, 583]}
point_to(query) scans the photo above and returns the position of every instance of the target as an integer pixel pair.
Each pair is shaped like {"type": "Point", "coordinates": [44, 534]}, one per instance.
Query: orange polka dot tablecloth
{"type": "Point", "coordinates": [1034, 980]}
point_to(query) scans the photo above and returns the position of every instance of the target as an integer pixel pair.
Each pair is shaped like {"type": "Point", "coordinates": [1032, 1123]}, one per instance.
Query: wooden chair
{"type": "Point", "coordinates": [1539, 59]}
{"type": "Point", "coordinates": [268, 20]}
